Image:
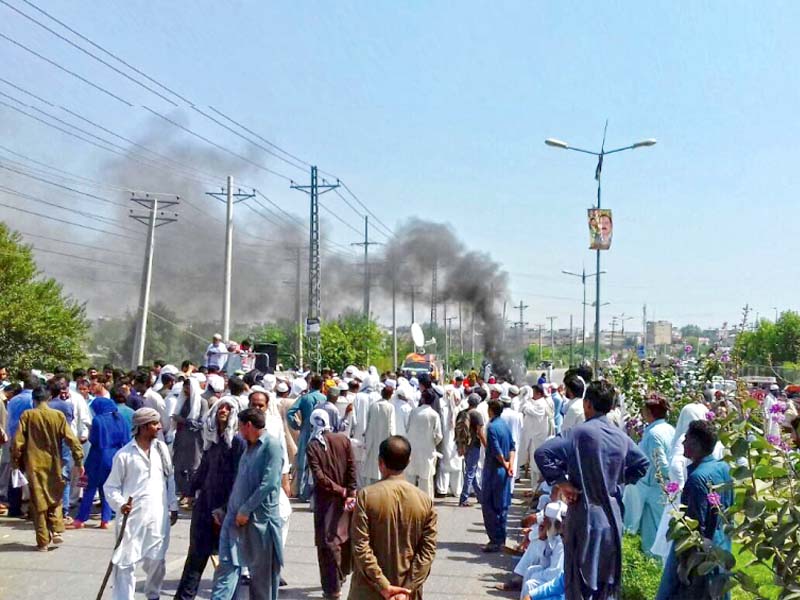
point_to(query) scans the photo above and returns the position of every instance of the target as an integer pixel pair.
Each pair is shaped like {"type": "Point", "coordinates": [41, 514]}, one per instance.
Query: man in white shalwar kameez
{"type": "Point", "coordinates": [402, 408]}
{"type": "Point", "coordinates": [380, 426]}
{"type": "Point", "coordinates": [364, 399]}
{"type": "Point", "coordinates": [142, 470]}
{"type": "Point", "coordinates": [424, 434]}
{"type": "Point", "coordinates": [537, 425]}
{"type": "Point", "coordinates": [450, 470]}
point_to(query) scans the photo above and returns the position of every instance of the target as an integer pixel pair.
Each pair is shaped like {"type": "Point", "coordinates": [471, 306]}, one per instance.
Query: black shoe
{"type": "Point", "coordinates": [490, 548]}
{"type": "Point", "coordinates": [282, 583]}
{"type": "Point", "coordinates": [245, 580]}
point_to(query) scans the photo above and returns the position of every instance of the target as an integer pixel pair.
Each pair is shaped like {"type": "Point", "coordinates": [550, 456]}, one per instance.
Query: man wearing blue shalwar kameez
{"type": "Point", "coordinates": [589, 468]}
{"type": "Point", "coordinates": [498, 473]}
{"type": "Point", "coordinates": [707, 492]}
{"type": "Point", "coordinates": [303, 407]}
{"type": "Point", "coordinates": [251, 530]}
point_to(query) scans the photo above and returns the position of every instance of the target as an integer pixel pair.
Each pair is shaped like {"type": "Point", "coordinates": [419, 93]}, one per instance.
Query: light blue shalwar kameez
{"type": "Point", "coordinates": [257, 545]}
{"type": "Point", "coordinates": [655, 445]}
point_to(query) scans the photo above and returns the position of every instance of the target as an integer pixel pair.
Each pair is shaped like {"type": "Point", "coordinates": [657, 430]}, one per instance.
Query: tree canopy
{"type": "Point", "coordinates": [771, 343]}
{"type": "Point", "coordinates": [40, 326]}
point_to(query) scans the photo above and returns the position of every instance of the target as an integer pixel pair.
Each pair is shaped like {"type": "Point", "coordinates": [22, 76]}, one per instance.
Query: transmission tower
{"type": "Point", "coordinates": [314, 191]}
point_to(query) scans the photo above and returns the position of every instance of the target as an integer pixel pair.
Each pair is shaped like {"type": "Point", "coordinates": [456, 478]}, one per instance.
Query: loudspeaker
{"type": "Point", "coordinates": [266, 356]}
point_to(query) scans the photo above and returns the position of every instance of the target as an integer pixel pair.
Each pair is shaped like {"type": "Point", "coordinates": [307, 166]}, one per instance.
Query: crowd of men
{"type": "Point", "coordinates": [371, 452]}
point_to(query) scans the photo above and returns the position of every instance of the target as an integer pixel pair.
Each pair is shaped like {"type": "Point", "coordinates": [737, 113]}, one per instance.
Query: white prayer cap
{"type": "Point", "coordinates": [282, 387]}
{"type": "Point", "coordinates": [774, 387]}
{"type": "Point", "coordinates": [496, 387]}
{"type": "Point", "coordinates": [343, 386]}
{"type": "Point", "coordinates": [269, 381]}
{"type": "Point", "coordinates": [170, 370]}
{"type": "Point", "coordinates": [218, 336]}
{"type": "Point", "coordinates": [199, 376]}
{"type": "Point", "coordinates": [457, 374]}
{"type": "Point", "coordinates": [390, 383]}
{"type": "Point", "coordinates": [216, 382]}
{"type": "Point", "coordinates": [299, 386]}
{"type": "Point", "coordinates": [350, 371]}
{"type": "Point", "coordinates": [555, 511]}
{"type": "Point", "coordinates": [513, 390]}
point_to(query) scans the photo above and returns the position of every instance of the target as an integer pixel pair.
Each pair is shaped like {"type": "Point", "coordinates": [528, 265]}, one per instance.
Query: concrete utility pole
{"type": "Point", "coordinates": [229, 197]}
{"type": "Point", "coordinates": [298, 305]}
{"type": "Point", "coordinates": [552, 340]}
{"type": "Point", "coordinates": [644, 329]}
{"type": "Point", "coordinates": [613, 331]}
{"type": "Point", "coordinates": [366, 243]}
{"type": "Point", "coordinates": [540, 326]}
{"type": "Point", "coordinates": [520, 325]}
{"type": "Point", "coordinates": [570, 341]}
{"type": "Point", "coordinates": [622, 319]}
{"type": "Point", "coordinates": [152, 219]}
{"type": "Point", "coordinates": [434, 295]}
{"type": "Point", "coordinates": [394, 321]}
{"type": "Point", "coordinates": [414, 290]}
{"type": "Point", "coordinates": [314, 191]}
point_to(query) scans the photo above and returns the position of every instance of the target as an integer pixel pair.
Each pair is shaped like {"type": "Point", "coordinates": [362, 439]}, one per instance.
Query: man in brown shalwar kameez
{"type": "Point", "coordinates": [393, 532]}
{"type": "Point", "coordinates": [330, 459]}
{"type": "Point", "coordinates": [37, 449]}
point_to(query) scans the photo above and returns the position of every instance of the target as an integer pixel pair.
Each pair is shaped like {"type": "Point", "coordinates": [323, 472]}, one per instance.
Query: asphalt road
{"type": "Point", "coordinates": [74, 570]}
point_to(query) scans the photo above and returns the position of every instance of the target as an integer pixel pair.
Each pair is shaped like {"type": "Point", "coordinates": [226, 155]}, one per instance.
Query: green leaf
{"type": "Point", "coordinates": [706, 567]}
{"type": "Point", "coordinates": [740, 448]}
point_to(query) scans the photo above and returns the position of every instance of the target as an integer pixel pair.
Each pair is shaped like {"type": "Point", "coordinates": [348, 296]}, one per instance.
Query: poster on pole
{"type": "Point", "coordinates": [601, 228]}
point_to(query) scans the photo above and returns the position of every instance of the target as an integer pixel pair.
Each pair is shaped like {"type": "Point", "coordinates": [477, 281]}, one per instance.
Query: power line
{"type": "Point", "coordinates": [58, 185]}
{"type": "Point", "coordinates": [106, 220]}
{"type": "Point", "coordinates": [24, 91]}
{"type": "Point", "coordinates": [263, 139]}
{"type": "Point", "coordinates": [102, 49]}
{"type": "Point", "coordinates": [86, 52]}
{"type": "Point", "coordinates": [82, 225]}
{"type": "Point", "coordinates": [90, 259]}
{"type": "Point", "coordinates": [289, 215]}
{"type": "Point", "coordinates": [340, 219]}
{"type": "Point", "coordinates": [95, 248]}
{"type": "Point", "coordinates": [58, 66]}
{"type": "Point", "coordinates": [247, 139]}
{"type": "Point", "coordinates": [374, 216]}
{"type": "Point", "coordinates": [218, 146]}
{"type": "Point", "coordinates": [184, 170]}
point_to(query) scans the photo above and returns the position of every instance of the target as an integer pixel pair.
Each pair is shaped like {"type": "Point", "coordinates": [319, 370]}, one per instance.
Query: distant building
{"type": "Point", "coordinates": [659, 333]}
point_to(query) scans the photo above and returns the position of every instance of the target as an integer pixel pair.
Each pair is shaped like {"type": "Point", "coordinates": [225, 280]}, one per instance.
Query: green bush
{"type": "Point", "coordinates": [640, 573]}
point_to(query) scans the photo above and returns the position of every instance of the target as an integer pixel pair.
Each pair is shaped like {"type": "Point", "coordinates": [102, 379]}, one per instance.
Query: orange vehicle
{"type": "Point", "coordinates": [417, 364]}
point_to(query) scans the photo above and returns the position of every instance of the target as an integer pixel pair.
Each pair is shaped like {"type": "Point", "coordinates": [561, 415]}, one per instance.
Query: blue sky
{"type": "Point", "coordinates": [440, 109]}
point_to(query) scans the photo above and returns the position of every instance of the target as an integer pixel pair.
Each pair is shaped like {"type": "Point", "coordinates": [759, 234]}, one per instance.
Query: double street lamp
{"type": "Point", "coordinates": [597, 173]}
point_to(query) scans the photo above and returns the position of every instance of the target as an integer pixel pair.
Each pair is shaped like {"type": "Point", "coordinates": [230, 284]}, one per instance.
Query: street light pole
{"type": "Point", "coordinates": [597, 175]}
{"type": "Point", "coordinates": [583, 275]}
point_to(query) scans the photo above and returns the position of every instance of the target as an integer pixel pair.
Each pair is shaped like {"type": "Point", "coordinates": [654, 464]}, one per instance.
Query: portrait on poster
{"type": "Point", "coordinates": [601, 228]}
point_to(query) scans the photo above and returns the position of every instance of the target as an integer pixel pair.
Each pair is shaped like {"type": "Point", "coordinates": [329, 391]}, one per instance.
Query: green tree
{"type": "Point", "coordinates": [39, 326]}
{"type": "Point", "coordinates": [691, 331]}
{"type": "Point", "coordinates": [771, 343]}
{"type": "Point", "coordinates": [166, 339]}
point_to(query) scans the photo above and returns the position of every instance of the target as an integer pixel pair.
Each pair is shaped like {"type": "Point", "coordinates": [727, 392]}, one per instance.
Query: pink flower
{"type": "Point", "coordinates": [673, 487]}
{"type": "Point", "coordinates": [778, 407]}
{"type": "Point", "coordinates": [725, 357]}
{"type": "Point", "coordinates": [774, 439]}
{"type": "Point", "coordinates": [711, 415]}
{"type": "Point", "coordinates": [779, 418]}
{"type": "Point", "coordinates": [714, 499]}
